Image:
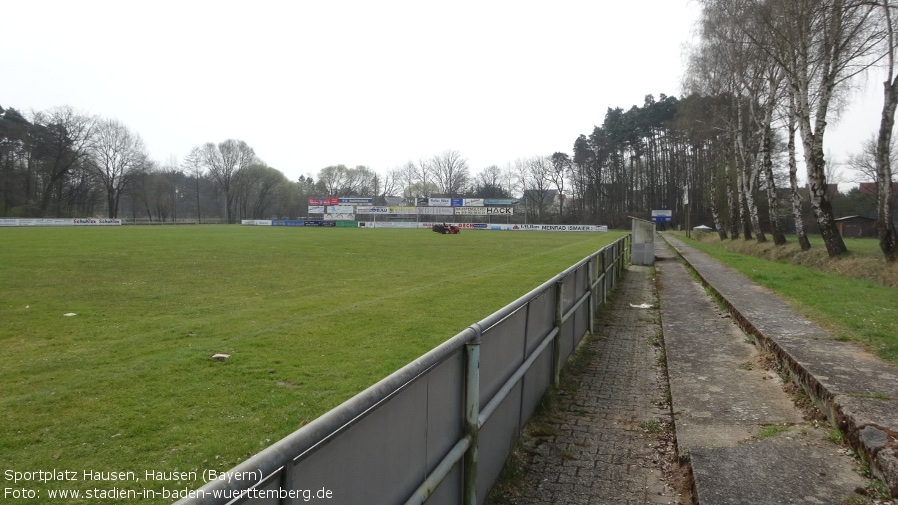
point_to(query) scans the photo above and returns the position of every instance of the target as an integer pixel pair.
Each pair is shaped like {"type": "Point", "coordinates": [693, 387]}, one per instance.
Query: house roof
{"type": "Point", "coordinates": [869, 188]}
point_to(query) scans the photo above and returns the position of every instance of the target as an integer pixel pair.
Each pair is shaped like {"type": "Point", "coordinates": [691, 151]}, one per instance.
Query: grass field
{"type": "Point", "coordinates": [854, 298]}
{"type": "Point", "coordinates": [309, 316]}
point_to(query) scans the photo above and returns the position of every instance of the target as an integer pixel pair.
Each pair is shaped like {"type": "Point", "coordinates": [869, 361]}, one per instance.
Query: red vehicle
{"type": "Point", "coordinates": [446, 229]}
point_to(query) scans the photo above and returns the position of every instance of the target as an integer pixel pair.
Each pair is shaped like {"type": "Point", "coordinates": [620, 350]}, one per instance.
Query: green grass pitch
{"type": "Point", "coordinates": [309, 317]}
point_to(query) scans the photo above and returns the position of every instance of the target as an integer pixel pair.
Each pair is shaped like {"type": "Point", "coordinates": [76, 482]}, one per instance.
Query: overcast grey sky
{"type": "Point", "coordinates": [311, 84]}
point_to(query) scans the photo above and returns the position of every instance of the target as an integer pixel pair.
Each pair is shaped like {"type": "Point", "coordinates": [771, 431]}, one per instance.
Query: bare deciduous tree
{"type": "Point", "coordinates": [117, 155]}
{"type": "Point", "coordinates": [341, 181]}
{"type": "Point", "coordinates": [450, 172]}
{"type": "Point", "coordinates": [491, 183]}
{"type": "Point", "coordinates": [68, 140]}
{"type": "Point", "coordinates": [535, 179]}
{"type": "Point", "coordinates": [193, 165]}
{"type": "Point", "coordinates": [561, 165]}
{"type": "Point", "coordinates": [257, 189]}
{"type": "Point", "coordinates": [820, 45]}
{"type": "Point", "coordinates": [223, 161]}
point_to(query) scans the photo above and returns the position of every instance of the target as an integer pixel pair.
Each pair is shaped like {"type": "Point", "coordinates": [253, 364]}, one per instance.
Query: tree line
{"type": "Point", "coordinates": [762, 80]}
{"type": "Point", "coordinates": [771, 74]}
{"type": "Point", "coordinates": [645, 158]}
{"type": "Point", "coordinates": [761, 85]}
{"type": "Point", "coordinates": [67, 163]}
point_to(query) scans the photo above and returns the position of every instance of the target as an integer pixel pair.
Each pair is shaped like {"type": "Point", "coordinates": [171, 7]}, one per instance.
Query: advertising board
{"type": "Point", "coordinates": [500, 201]}
{"type": "Point", "coordinates": [83, 221]}
{"type": "Point", "coordinates": [470, 211]}
{"type": "Point", "coordinates": [323, 201]}
{"type": "Point", "coordinates": [439, 202]}
{"type": "Point", "coordinates": [662, 216]}
{"type": "Point", "coordinates": [439, 211]}
{"type": "Point", "coordinates": [372, 210]}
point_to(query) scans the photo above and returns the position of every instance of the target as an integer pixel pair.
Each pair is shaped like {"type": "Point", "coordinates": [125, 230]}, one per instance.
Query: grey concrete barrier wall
{"type": "Point", "coordinates": [438, 430]}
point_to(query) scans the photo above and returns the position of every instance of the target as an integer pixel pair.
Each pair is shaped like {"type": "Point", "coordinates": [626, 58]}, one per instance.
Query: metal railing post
{"type": "Point", "coordinates": [287, 483]}
{"type": "Point", "coordinates": [559, 321]}
{"type": "Point", "coordinates": [628, 239]}
{"type": "Point", "coordinates": [472, 414]}
{"type": "Point", "coordinates": [618, 266]}
{"type": "Point", "coordinates": [617, 253]}
{"type": "Point", "coordinates": [591, 276]}
{"type": "Point", "coordinates": [604, 270]}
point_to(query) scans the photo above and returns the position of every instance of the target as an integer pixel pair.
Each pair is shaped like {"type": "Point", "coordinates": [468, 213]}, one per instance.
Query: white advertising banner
{"type": "Point", "coordinates": [316, 209]}
{"type": "Point", "coordinates": [256, 222]}
{"type": "Point", "coordinates": [340, 209]}
{"type": "Point", "coordinates": [85, 221]}
{"type": "Point", "coordinates": [490, 226]}
{"type": "Point", "coordinates": [483, 211]}
{"type": "Point", "coordinates": [92, 221]}
{"type": "Point", "coordinates": [500, 211]}
{"type": "Point", "coordinates": [439, 202]}
{"type": "Point", "coordinates": [560, 227]}
{"type": "Point", "coordinates": [389, 224]}
{"type": "Point", "coordinates": [403, 210]}
{"type": "Point", "coordinates": [339, 217]}
{"type": "Point", "coordinates": [440, 211]}
{"type": "Point", "coordinates": [372, 210]}
{"type": "Point", "coordinates": [470, 211]}
{"type": "Point", "coordinates": [473, 202]}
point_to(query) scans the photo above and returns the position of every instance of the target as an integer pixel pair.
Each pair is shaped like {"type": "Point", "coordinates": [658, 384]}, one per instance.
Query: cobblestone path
{"type": "Point", "coordinates": [604, 441]}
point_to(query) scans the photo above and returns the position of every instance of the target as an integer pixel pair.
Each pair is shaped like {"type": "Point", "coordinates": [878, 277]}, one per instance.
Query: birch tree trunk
{"type": "Point", "coordinates": [888, 238]}
{"type": "Point", "coordinates": [733, 204]}
{"type": "Point", "coordinates": [779, 238]}
{"type": "Point", "coordinates": [715, 212]}
{"type": "Point", "coordinates": [752, 177]}
{"type": "Point", "coordinates": [748, 176]}
{"type": "Point", "coordinates": [793, 182]}
{"type": "Point", "coordinates": [825, 37]}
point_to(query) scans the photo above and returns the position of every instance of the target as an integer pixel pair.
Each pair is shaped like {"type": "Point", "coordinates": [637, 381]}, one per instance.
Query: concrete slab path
{"type": "Point", "coordinates": [857, 391]}
{"type": "Point", "coordinates": [746, 440]}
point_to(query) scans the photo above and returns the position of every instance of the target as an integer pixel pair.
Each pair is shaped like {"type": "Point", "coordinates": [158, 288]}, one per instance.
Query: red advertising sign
{"type": "Point", "coordinates": [324, 201]}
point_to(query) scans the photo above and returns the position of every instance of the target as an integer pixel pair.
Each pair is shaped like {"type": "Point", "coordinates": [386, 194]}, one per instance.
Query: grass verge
{"type": "Point", "coordinates": [849, 297]}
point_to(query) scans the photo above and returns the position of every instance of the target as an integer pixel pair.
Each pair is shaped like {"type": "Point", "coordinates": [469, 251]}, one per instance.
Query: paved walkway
{"type": "Point", "coordinates": [608, 439]}
{"type": "Point", "coordinates": [603, 444]}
